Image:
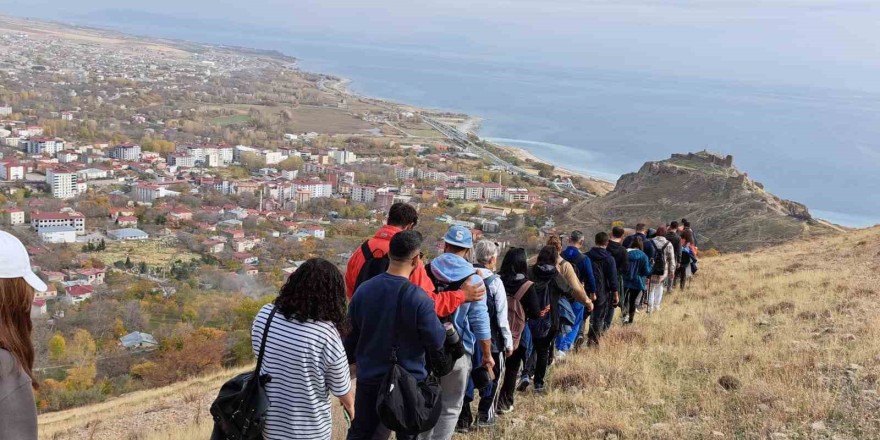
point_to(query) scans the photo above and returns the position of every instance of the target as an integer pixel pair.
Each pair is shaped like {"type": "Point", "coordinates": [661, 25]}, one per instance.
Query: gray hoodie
{"type": "Point", "coordinates": [659, 243]}
{"type": "Point", "coordinates": [17, 406]}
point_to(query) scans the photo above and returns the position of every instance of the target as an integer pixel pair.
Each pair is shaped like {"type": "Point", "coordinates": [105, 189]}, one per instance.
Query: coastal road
{"type": "Point", "coordinates": [463, 141]}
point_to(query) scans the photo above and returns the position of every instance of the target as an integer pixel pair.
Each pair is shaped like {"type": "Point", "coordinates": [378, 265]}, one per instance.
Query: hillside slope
{"type": "Point", "coordinates": [729, 210]}
{"type": "Point", "coordinates": [780, 343]}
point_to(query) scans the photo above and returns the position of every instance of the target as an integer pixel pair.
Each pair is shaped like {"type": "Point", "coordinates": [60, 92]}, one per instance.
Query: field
{"type": "Point", "coordinates": [328, 120]}
{"type": "Point", "coordinates": [153, 252]}
{"type": "Point", "coordinates": [782, 343]}
{"type": "Point", "coordinates": [230, 120]}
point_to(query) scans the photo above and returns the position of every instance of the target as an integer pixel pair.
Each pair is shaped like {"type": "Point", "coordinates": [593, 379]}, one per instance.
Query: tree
{"type": "Point", "coordinates": [142, 267]}
{"type": "Point", "coordinates": [128, 263]}
{"type": "Point", "coordinates": [290, 164]}
{"type": "Point", "coordinates": [57, 347]}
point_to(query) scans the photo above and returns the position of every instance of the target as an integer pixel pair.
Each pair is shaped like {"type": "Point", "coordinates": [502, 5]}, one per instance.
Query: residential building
{"type": "Point", "coordinates": [68, 217]}
{"type": "Point", "coordinates": [493, 191]}
{"type": "Point", "coordinates": [91, 174]}
{"type": "Point", "coordinates": [147, 192]}
{"type": "Point", "coordinates": [513, 195]}
{"type": "Point", "coordinates": [64, 183]}
{"type": "Point", "coordinates": [315, 231]}
{"type": "Point", "coordinates": [139, 341]}
{"type": "Point", "coordinates": [181, 160]}
{"type": "Point", "coordinates": [67, 156]}
{"type": "Point", "coordinates": [92, 277]}
{"type": "Point", "coordinates": [342, 157]}
{"type": "Point", "coordinates": [115, 213]}
{"type": "Point", "coordinates": [126, 234]}
{"type": "Point", "coordinates": [51, 292]}
{"type": "Point", "coordinates": [126, 152]}
{"type": "Point", "coordinates": [455, 193]}
{"type": "Point", "coordinates": [11, 170]}
{"type": "Point", "coordinates": [13, 217]}
{"type": "Point", "coordinates": [57, 234]}
{"type": "Point", "coordinates": [5, 110]}
{"type": "Point", "coordinates": [76, 294]}
{"type": "Point", "coordinates": [42, 145]}
{"type": "Point", "coordinates": [127, 221]}
{"type": "Point", "coordinates": [181, 214]}
{"type": "Point", "coordinates": [363, 193]}
{"type": "Point", "coordinates": [404, 173]}
{"type": "Point", "coordinates": [38, 308]}
{"type": "Point", "coordinates": [473, 191]}
{"type": "Point", "coordinates": [316, 188]}
{"type": "Point", "coordinates": [213, 246]}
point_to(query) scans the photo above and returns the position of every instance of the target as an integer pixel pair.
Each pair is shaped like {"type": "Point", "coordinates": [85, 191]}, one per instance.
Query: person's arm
{"type": "Point", "coordinates": [445, 303]}
{"type": "Point", "coordinates": [576, 288]}
{"type": "Point", "coordinates": [647, 267]}
{"type": "Point", "coordinates": [611, 279]}
{"type": "Point", "coordinates": [587, 269]}
{"type": "Point", "coordinates": [336, 374]}
{"type": "Point", "coordinates": [478, 318]}
{"type": "Point", "coordinates": [501, 307]}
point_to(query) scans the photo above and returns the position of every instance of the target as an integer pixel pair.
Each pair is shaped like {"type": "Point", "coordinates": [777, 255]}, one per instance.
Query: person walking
{"type": "Point", "coordinates": [634, 279]}
{"type": "Point", "coordinates": [641, 231]}
{"type": "Point", "coordinates": [17, 379]}
{"type": "Point", "coordinates": [304, 353]}
{"type": "Point", "coordinates": [616, 249]}
{"type": "Point", "coordinates": [371, 255]}
{"type": "Point", "coordinates": [688, 257]}
{"type": "Point", "coordinates": [550, 285]}
{"type": "Point", "coordinates": [585, 279]}
{"type": "Point", "coordinates": [486, 254]}
{"type": "Point", "coordinates": [607, 287]}
{"type": "Point", "coordinates": [471, 322]}
{"type": "Point", "coordinates": [514, 274]}
{"type": "Point", "coordinates": [663, 267]}
{"type": "Point", "coordinates": [674, 239]}
{"type": "Point", "coordinates": [373, 316]}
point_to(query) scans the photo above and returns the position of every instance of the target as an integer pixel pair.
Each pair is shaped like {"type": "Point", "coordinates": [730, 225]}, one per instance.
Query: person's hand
{"type": "Point", "coordinates": [593, 296]}
{"type": "Point", "coordinates": [473, 292]}
{"type": "Point", "coordinates": [588, 306]}
{"type": "Point", "coordinates": [616, 299]}
{"type": "Point", "coordinates": [545, 311]}
{"type": "Point", "coordinates": [489, 364]}
{"type": "Point", "coordinates": [508, 352]}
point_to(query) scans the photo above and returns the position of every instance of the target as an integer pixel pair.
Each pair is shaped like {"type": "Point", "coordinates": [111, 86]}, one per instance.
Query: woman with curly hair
{"type": "Point", "coordinates": [304, 353]}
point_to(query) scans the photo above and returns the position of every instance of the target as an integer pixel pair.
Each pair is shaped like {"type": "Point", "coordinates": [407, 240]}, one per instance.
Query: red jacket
{"type": "Point", "coordinates": [444, 304]}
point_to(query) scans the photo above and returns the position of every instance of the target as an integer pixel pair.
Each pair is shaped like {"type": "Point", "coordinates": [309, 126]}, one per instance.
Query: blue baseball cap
{"type": "Point", "coordinates": [459, 236]}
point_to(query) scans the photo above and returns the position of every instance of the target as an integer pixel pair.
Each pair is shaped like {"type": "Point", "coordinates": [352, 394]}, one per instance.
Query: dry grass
{"type": "Point", "coordinates": [153, 252]}
{"type": "Point", "coordinates": [779, 343]}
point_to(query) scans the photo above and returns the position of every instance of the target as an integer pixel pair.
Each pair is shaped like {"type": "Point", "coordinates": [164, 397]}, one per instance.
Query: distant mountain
{"type": "Point", "coordinates": [729, 211]}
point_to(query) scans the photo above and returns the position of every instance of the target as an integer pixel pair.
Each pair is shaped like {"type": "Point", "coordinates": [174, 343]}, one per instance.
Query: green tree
{"type": "Point", "coordinates": [291, 163]}
{"type": "Point", "coordinates": [128, 263]}
{"type": "Point", "coordinates": [57, 347]}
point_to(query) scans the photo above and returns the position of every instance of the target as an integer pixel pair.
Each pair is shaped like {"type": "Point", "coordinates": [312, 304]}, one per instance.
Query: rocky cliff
{"type": "Point", "coordinates": [729, 210]}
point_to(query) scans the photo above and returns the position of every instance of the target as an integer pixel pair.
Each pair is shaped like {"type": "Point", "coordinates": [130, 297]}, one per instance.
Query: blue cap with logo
{"type": "Point", "coordinates": [459, 236]}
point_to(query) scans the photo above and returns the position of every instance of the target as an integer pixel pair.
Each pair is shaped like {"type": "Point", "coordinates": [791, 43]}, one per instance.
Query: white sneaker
{"type": "Point", "coordinates": [560, 355]}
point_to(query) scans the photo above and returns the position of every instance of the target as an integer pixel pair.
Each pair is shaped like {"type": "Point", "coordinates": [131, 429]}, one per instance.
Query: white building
{"type": "Point", "coordinates": [363, 193]}
{"type": "Point", "coordinates": [127, 234]}
{"type": "Point", "coordinates": [73, 219]}
{"type": "Point", "coordinates": [5, 110]}
{"type": "Point", "coordinates": [342, 157]}
{"type": "Point", "coordinates": [91, 174]}
{"type": "Point", "coordinates": [64, 183]}
{"type": "Point", "coordinates": [67, 156]}
{"type": "Point", "coordinates": [57, 234]}
{"type": "Point", "coordinates": [316, 188]}
{"type": "Point", "coordinates": [42, 145]}
{"type": "Point", "coordinates": [404, 173]}
{"type": "Point", "coordinates": [147, 192]}
{"type": "Point", "coordinates": [269, 157]}
{"type": "Point", "coordinates": [128, 152]}
{"type": "Point", "coordinates": [455, 193]}
{"type": "Point", "coordinates": [14, 216]}
{"type": "Point", "coordinates": [182, 160]}
{"type": "Point", "coordinates": [512, 195]}
{"type": "Point", "coordinates": [10, 170]}
{"type": "Point", "coordinates": [473, 191]}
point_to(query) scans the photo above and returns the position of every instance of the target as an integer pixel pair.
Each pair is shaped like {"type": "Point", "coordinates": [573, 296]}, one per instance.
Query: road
{"type": "Point", "coordinates": [462, 140]}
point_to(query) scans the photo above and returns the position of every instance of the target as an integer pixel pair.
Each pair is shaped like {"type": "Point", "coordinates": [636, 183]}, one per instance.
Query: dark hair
{"type": "Point", "coordinates": [315, 291]}
{"type": "Point", "coordinates": [674, 225]}
{"type": "Point", "coordinates": [617, 232]}
{"type": "Point", "coordinates": [637, 243]}
{"type": "Point", "coordinates": [515, 262]}
{"type": "Point", "coordinates": [548, 255]}
{"type": "Point", "coordinates": [688, 236]}
{"type": "Point", "coordinates": [556, 242]}
{"type": "Point", "coordinates": [602, 239]}
{"type": "Point", "coordinates": [640, 227]}
{"type": "Point", "coordinates": [576, 236]}
{"type": "Point", "coordinates": [685, 223]}
{"type": "Point", "coordinates": [402, 214]}
{"type": "Point", "coordinates": [661, 231]}
{"type": "Point", "coordinates": [404, 245]}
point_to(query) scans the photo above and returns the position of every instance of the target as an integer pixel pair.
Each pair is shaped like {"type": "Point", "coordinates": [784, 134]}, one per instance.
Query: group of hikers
{"type": "Point", "coordinates": [424, 341]}
{"type": "Point", "coordinates": [479, 326]}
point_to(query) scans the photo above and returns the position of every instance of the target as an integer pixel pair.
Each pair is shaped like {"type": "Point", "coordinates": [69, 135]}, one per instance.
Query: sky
{"type": "Point", "coordinates": [819, 43]}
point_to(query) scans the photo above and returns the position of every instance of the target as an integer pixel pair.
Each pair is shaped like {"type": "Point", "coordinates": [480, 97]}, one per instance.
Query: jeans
{"type": "Point", "coordinates": [597, 321]}
{"type": "Point", "coordinates": [632, 297]}
{"type": "Point", "coordinates": [488, 395]}
{"type": "Point", "coordinates": [366, 424]}
{"type": "Point", "coordinates": [564, 342]}
{"type": "Point", "coordinates": [655, 295]}
{"type": "Point", "coordinates": [452, 387]}
{"type": "Point", "coordinates": [529, 354]}
{"type": "Point", "coordinates": [511, 373]}
{"type": "Point", "coordinates": [681, 273]}
{"type": "Point", "coordinates": [542, 354]}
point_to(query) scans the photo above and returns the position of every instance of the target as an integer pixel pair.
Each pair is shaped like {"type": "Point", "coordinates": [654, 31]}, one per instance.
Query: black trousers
{"type": "Point", "coordinates": [681, 273]}
{"type": "Point", "coordinates": [597, 321]}
{"type": "Point", "coordinates": [511, 376]}
{"type": "Point", "coordinates": [366, 424]}
{"type": "Point", "coordinates": [632, 301]}
{"type": "Point", "coordinates": [542, 356]}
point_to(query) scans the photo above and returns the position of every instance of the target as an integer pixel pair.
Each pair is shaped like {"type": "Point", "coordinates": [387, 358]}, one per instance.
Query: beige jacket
{"type": "Point", "coordinates": [18, 411]}
{"type": "Point", "coordinates": [570, 275]}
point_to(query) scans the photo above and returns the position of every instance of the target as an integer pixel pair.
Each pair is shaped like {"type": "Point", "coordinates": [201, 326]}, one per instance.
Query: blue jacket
{"type": "Point", "coordinates": [649, 245]}
{"type": "Point", "coordinates": [372, 317]}
{"type": "Point", "coordinates": [609, 268]}
{"type": "Point", "coordinates": [584, 269]}
{"type": "Point", "coordinates": [639, 268]}
{"type": "Point", "coordinates": [471, 319]}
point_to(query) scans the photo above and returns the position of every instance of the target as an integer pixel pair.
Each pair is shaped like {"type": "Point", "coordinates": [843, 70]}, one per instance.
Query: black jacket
{"type": "Point", "coordinates": [529, 300]}
{"type": "Point", "coordinates": [675, 239]}
{"type": "Point", "coordinates": [621, 259]}
{"type": "Point", "coordinates": [544, 275]}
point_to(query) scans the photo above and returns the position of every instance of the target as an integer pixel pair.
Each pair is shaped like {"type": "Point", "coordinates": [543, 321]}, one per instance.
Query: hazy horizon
{"type": "Point", "coordinates": [790, 87]}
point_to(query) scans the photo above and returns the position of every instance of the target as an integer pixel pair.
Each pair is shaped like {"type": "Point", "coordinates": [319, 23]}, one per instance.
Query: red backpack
{"type": "Point", "coordinates": [516, 315]}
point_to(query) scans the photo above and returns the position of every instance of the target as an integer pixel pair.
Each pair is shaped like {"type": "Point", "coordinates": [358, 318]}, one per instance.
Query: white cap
{"type": "Point", "coordinates": [15, 263]}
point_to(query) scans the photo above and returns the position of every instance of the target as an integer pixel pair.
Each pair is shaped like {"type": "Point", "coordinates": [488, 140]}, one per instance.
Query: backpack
{"type": "Point", "coordinates": [497, 337]}
{"type": "Point", "coordinates": [601, 282]}
{"type": "Point", "coordinates": [405, 405]}
{"type": "Point", "coordinates": [566, 316]}
{"type": "Point", "coordinates": [540, 327]}
{"type": "Point", "coordinates": [443, 286]}
{"type": "Point", "coordinates": [516, 315]}
{"type": "Point", "coordinates": [659, 261]}
{"type": "Point", "coordinates": [576, 263]}
{"type": "Point", "coordinates": [372, 266]}
{"type": "Point", "coordinates": [240, 409]}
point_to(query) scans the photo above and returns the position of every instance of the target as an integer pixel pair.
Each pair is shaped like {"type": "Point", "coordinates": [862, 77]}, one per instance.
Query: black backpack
{"type": "Point", "coordinates": [443, 286]}
{"type": "Point", "coordinates": [405, 405]}
{"type": "Point", "coordinates": [372, 266]}
{"type": "Point", "coordinates": [541, 327]}
{"type": "Point", "coordinates": [659, 261]}
{"type": "Point", "coordinates": [497, 337]}
{"type": "Point", "coordinates": [239, 411]}
{"type": "Point", "coordinates": [599, 276]}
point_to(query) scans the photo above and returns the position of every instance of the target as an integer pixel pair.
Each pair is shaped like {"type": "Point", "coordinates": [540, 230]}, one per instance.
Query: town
{"type": "Point", "coordinates": [162, 189]}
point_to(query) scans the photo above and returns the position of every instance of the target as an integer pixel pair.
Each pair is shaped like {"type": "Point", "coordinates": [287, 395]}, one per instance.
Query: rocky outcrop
{"type": "Point", "coordinates": [728, 209]}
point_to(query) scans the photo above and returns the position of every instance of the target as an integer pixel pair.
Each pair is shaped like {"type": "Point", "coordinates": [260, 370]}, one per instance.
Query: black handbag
{"type": "Point", "coordinates": [240, 408]}
{"type": "Point", "coordinates": [405, 405]}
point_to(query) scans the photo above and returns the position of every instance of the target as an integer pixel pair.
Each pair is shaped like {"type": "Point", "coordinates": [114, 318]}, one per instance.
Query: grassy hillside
{"type": "Point", "coordinates": [782, 343]}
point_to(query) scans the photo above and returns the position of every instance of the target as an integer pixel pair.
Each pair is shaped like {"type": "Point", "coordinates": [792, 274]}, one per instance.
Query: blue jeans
{"type": "Point", "coordinates": [529, 359]}
{"type": "Point", "coordinates": [564, 342]}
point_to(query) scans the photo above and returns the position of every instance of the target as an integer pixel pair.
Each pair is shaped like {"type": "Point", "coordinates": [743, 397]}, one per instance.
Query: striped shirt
{"type": "Point", "coordinates": [307, 362]}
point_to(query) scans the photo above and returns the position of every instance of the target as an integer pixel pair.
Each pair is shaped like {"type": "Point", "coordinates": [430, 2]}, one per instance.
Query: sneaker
{"type": "Point", "coordinates": [560, 355]}
{"type": "Point", "coordinates": [462, 429]}
{"type": "Point", "coordinates": [539, 389]}
{"type": "Point", "coordinates": [503, 409]}
{"type": "Point", "coordinates": [523, 385]}
{"type": "Point", "coordinates": [483, 421]}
